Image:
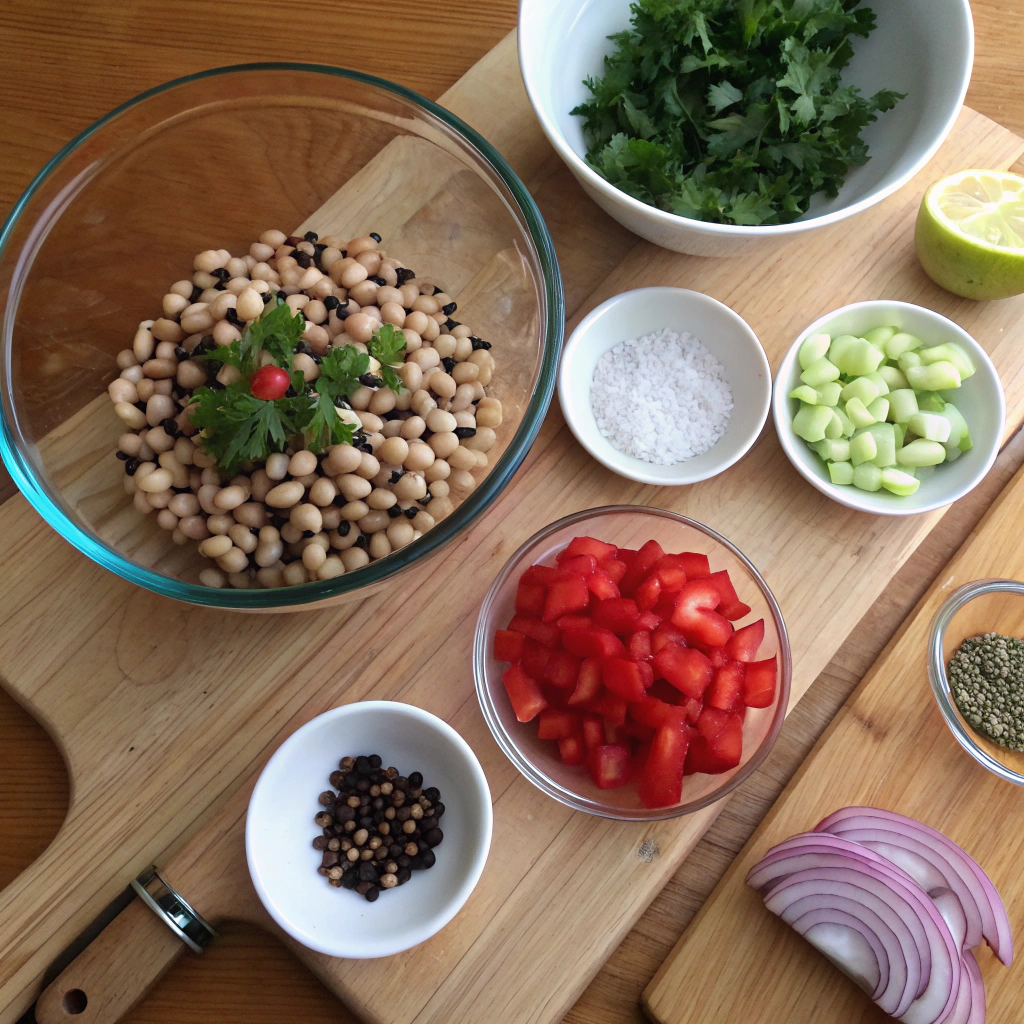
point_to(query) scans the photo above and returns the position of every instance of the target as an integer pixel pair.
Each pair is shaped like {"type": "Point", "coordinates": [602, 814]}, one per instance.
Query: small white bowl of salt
{"type": "Point", "coordinates": [665, 386]}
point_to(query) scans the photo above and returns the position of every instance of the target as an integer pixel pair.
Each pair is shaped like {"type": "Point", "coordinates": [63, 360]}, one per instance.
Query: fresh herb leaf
{"type": "Point", "coordinates": [340, 370]}
{"type": "Point", "coordinates": [278, 331]}
{"type": "Point", "coordinates": [325, 427]}
{"type": "Point", "coordinates": [387, 345]}
{"type": "Point", "coordinates": [731, 110]}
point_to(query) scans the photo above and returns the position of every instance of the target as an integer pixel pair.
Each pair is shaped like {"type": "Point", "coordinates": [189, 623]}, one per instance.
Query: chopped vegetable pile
{"type": "Point", "coordinates": [630, 662]}
{"type": "Point", "coordinates": [731, 110]}
{"type": "Point", "coordinates": [871, 407]}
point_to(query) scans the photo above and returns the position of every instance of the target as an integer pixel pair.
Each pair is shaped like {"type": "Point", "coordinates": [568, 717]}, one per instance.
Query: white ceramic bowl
{"type": "Point", "coordinates": [632, 315]}
{"type": "Point", "coordinates": [979, 398]}
{"type": "Point", "coordinates": [924, 48]}
{"type": "Point", "coordinates": [279, 830]}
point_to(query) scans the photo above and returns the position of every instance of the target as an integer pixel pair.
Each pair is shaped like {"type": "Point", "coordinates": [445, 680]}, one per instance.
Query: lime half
{"type": "Point", "coordinates": [970, 234]}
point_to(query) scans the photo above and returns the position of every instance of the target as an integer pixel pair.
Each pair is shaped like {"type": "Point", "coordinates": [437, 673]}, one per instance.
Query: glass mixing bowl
{"type": "Point", "coordinates": [626, 526]}
{"type": "Point", "coordinates": [211, 161]}
{"type": "Point", "coordinates": [985, 606]}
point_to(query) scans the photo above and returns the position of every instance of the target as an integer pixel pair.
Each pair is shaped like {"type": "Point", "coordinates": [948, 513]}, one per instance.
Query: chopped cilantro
{"type": "Point", "coordinates": [731, 110]}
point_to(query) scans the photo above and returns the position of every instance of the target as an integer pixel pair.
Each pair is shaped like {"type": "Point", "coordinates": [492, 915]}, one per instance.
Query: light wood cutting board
{"type": "Point", "coordinates": [889, 747]}
{"type": "Point", "coordinates": [160, 724]}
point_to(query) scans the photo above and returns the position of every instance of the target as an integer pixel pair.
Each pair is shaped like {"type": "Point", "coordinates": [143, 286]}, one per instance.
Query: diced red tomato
{"type": "Point", "coordinates": [524, 692]}
{"type": "Point", "coordinates": [685, 668]}
{"type": "Point", "coordinates": [508, 646]}
{"type": "Point", "coordinates": [759, 691]}
{"type": "Point", "coordinates": [570, 622]}
{"type": "Point", "coordinates": [610, 707]}
{"type": "Point", "coordinates": [731, 607]}
{"type": "Point", "coordinates": [636, 731]}
{"type": "Point", "coordinates": [743, 644]}
{"type": "Point", "coordinates": [661, 783]}
{"type": "Point", "coordinates": [588, 681]}
{"type": "Point", "coordinates": [593, 643]}
{"type": "Point", "coordinates": [557, 725]}
{"type": "Point", "coordinates": [566, 597]}
{"type": "Point", "coordinates": [648, 593]}
{"type": "Point", "coordinates": [530, 599]}
{"type": "Point", "coordinates": [535, 658]}
{"type": "Point", "coordinates": [623, 677]}
{"type": "Point", "coordinates": [609, 765]}
{"type": "Point", "coordinates": [648, 621]}
{"type": "Point", "coordinates": [640, 566]}
{"type": "Point", "coordinates": [602, 586]}
{"type": "Point", "coordinates": [546, 633]}
{"type": "Point", "coordinates": [639, 645]}
{"type": "Point", "coordinates": [587, 546]}
{"type": "Point", "coordinates": [695, 615]}
{"type": "Point", "coordinates": [613, 568]}
{"type": "Point", "coordinates": [726, 689]}
{"type": "Point", "coordinates": [619, 614]}
{"type": "Point", "coordinates": [562, 670]}
{"type": "Point", "coordinates": [593, 731]}
{"type": "Point", "coordinates": [572, 750]}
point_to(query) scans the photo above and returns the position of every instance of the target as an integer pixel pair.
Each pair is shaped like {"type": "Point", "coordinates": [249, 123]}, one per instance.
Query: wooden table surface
{"type": "Point", "coordinates": [66, 65]}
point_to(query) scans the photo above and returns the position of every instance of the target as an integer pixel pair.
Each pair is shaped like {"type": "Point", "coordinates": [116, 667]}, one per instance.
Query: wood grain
{"type": "Point", "coordinates": [115, 56]}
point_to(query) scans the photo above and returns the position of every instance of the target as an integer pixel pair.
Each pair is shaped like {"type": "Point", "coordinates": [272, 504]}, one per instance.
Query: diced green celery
{"type": "Point", "coordinates": [834, 427]}
{"type": "Point", "coordinates": [966, 442]}
{"type": "Point", "coordinates": [921, 453]}
{"type": "Point", "coordinates": [900, 483]}
{"type": "Point", "coordinates": [957, 424]}
{"type": "Point", "coordinates": [880, 336]}
{"type": "Point", "coordinates": [953, 452]}
{"type": "Point", "coordinates": [932, 426]}
{"type": "Point", "coordinates": [868, 477]}
{"type": "Point", "coordinates": [860, 357]}
{"type": "Point", "coordinates": [939, 376]}
{"type": "Point", "coordinates": [885, 443]}
{"type": "Point", "coordinates": [805, 394]}
{"type": "Point", "coordinates": [846, 424]}
{"type": "Point", "coordinates": [839, 346]}
{"type": "Point", "coordinates": [900, 430]}
{"type": "Point", "coordinates": [862, 388]}
{"type": "Point", "coordinates": [828, 393]}
{"type": "Point", "coordinates": [893, 376]}
{"type": "Point", "coordinates": [951, 352]}
{"type": "Point", "coordinates": [879, 408]}
{"type": "Point", "coordinates": [834, 450]}
{"type": "Point", "coordinates": [929, 401]}
{"type": "Point", "coordinates": [862, 448]}
{"type": "Point", "coordinates": [858, 413]}
{"type": "Point", "coordinates": [878, 380]}
{"type": "Point", "coordinates": [810, 421]}
{"type": "Point", "coordinates": [907, 360]}
{"type": "Point", "coordinates": [840, 473]}
{"type": "Point", "coordinates": [902, 404]}
{"type": "Point", "coordinates": [813, 348]}
{"type": "Point", "coordinates": [820, 372]}
{"type": "Point", "coordinates": [900, 343]}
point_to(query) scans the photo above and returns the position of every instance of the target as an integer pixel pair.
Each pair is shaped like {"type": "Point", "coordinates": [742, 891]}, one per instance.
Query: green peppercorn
{"type": "Point", "coordinates": [986, 676]}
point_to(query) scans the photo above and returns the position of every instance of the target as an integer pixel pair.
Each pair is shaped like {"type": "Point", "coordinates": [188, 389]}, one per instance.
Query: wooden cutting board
{"type": "Point", "coordinates": [889, 747]}
{"type": "Point", "coordinates": [164, 711]}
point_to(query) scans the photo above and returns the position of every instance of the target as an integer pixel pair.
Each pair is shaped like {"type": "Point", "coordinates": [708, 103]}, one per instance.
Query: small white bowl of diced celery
{"type": "Point", "coordinates": [888, 407]}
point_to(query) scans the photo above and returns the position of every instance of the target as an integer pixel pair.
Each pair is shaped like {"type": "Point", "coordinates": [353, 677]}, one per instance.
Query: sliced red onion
{"type": "Point", "coordinates": [849, 947]}
{"type": "Point", "coordinates": [973, 972]}
{"type": "Point", "coordinates": [794, 897]}
{"type": "Point", "coordinates": [995, 923]}
{"type": "Point", "coordinates": [952, 911]}
{"type": "Point", "coordinates": [903, 982]}
{"type": "Point", "coordinates": [961, 1011]}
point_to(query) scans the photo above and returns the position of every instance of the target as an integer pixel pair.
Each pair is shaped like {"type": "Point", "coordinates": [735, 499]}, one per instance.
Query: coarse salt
{"type": "Point", "coordinates": [662, 398]}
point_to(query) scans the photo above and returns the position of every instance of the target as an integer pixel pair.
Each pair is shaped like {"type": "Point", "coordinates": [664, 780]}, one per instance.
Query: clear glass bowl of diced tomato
{"type": "Point", "coordinates": [632, 663]}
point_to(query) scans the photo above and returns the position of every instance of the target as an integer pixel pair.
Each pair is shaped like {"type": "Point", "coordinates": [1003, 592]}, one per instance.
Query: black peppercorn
{"type": "Point", "coordinates": [350, 879]}
{"type": "Point", "coordinates": [433, 837]}
{"type": "Point", "coordinates": [429, 858]}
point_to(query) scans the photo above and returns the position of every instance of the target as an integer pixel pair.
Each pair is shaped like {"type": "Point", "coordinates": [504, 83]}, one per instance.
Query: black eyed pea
{"type": "Point", "coordinates": [431, 331]}
{"type": "Point", "coordinates": [415, 322]}
{"type": "Point", "coordinates": [154, 480]}
{"type": "Point", "coordinates": [380, 546]}
{"type": "Point", "coordinates": [201, 279]}
{"type": "Point", "coordinates": [332, 517]}
{"type": "Point", "coordinates": [237, 266]}
{"type": "Point", "coordinates": [445, 346]}
{"type": "Point", "coordinates": [443, 384]}
{"type": "Point", "coordinates": [463, 349]}
{"type": "Point", "coordinates": [360, 326]}
{"type": "Point", "coordinates": [210, 475]}
{"type": "Point", "coordinates": [485, 361]}
{"type": "Point", "coordinates": [294, 574]}
{"type": "Point", "coordinates": [182, 288]}
{"type": "Point", "coordinates": [437, 470]}
{"type": "Point", "coordinates": [422, 403]}
{"type": "Point", "coordinates": [400, 533]}
{"type": "Point", "coordinates": [392, 428]}
{"type": "Point", "coordinates": [239, 580]}
{"type": "Point", "coordinates": [190, 375]}
{"type": "Point", "coordinates": [481, 458]}
{"type": "Point", "coordinates": [442, 298]}
{"type": "Point", "coordinates": [145, 389]}
{"type": "Point", "coordinates": [443, 444]}
{"type": "Point", "coordinates": [313, 557]}
{"type": "Point", "coordinates": [167, 330]}
{"type": "Point", "coordinates": [423, 521]}
{"type": "Point", "coordinates": [331, 567]}
{"type": "Point", "coordinates": [391, 312]}
{"type": "Point", "coordinates": [210, 260]}
{"type": "Point", "coordinates": [243, 539]}
{"type": "Point", "coordinates": [374, 521]}
{"type": "Point", "coordinates": [478, 390]}
{"type": "Point", "coordinates": [122, 392]}
{"type": "Point", "coordinates": [421, 457]}
{"type": "Point", "coordinates": [161, 499]}
{"type": "Point", "coordinates": [179, 538]}
{"type": "Point", "coordinates": [144, 344]}
{"type": "Point", "coordinates": [219, 523]}
{"type": "Point", "coordinates": [162, 387]}
{"type": "Point", "coordinates": [179, 472]}
{"type": "Point", "coordinates": [167, 520]}
{"type": "Point", "coordinates": [465, 373]}
{"type": "Point", "coordinates": [211, 577]}
{"type": "Point", "coordinates": [264, 272]}
{"type": "Point", "coordinates": [371, 259]}
{"type": "Point", "coordinates": [290, 533]}
{"type": "Point", "coordinates": [383, 401]}
{"type": "Point", "coordinates": [221, 304]}
{"type": "Point", "coordinates": [411, 487]}
{"type": "Point", "coordinates": [214, 547]}
{"type": "Point", "coordinates": [351, 273]}
{"type": "Point", "coordinates": [208, 295]}
{"type": "Point", "coordinates": [306, 517]}
{"type": "Point", "coordinates": [234, 560]}
{"type": "Point", "coordinates": [315, 311]}
{"type": "Point", "coordinates": [146, 454]}
{"type": "Point", "coordinates": [488, 413]}
{"type": "Point", "coordinates": [285, 495]}
{"type": "Point", "coordinates": [323, 288]}
{"type": "Point", "coordinates": [225, 332]}
{"type": "Point", "coordinates": [194, 527]}
{"type": "Point", "coordinates": [330, 256]}
{"type": "Point", "coordinates": [184, 505]}
{"type": "Point", "coordinates": [341, 459]}
{"type": "Point", "coordinates": [369, 465]}
{"type": "Point", "coordinates": [438, 421]}
{"type": "Point", "coordinates": [426, 358]}
{"type": "Point", "coordinates": [354, 487]}
{"type": "Point", "coordinates": [461, 480]}
{"type": "Point", "coordinates": [371, 423]}
{"type": "Point", "coordinates": [302, 463]}
{"type": "Point", "coordinates": [130, 444]}
{"type": "Point", "coordinates": [413, 427]}
{"type": "Point", "coordinates": [465, 418]}
{"type": "Point", "coordinates": [323, 491]}
{"type": "Point", "coordinates": [354, 511]}
{"type": "Point", "coordinates": [260, 485]}
{"type": "Point", "coordinates": [271, 577]}
{"type": "Point", "coordinates": [410, 293]}
{"type": "Point", "coordinates": [277, 465]}
{"type": "Point", "coordinates": [461, 459]}
{"type": "Point", "coordinates": [274, 238]}
{"type": "Point", "coordinates": [365, 293]}
{"type": "Point", "coordinates": [304, 364]}
{"type": "Point", "coordinates": [261, 252]}
{"type": "Point", "coordinates": [206, 494]}
{"type": "Point", "coordinates": [462, 331]}
{"type": "Point", "coordinates": [317, 337]}
{"type": "Point", "coordinates": [268, 553]}
{"type": "Point", "coordinates": [482, 441]}
{"type": "Point", "coordinates": [394, 450]}
{"type": "Point", "coordinates": [426, 304]}
{"type": "Point", "coordinates": [360, 398]}
{"type": "Point", "coordinates": [133, 374]}
{"type": "Point", "coordinates": [411, 376]}
{"type": "Point", "coordinates": [252, 515]}
{"type": "Point", "coordinates": [230, 497]}
{"type": "Point", "coordinates": [141, 502]}
{"type": "Point", "coordinates": [342, 542]}
{"type": "Point", "coordinates": [249, 304]}
{"type": "Point", "coordinates": [159, 408]}
{"type": "Point", "coordinates": [381, 498]}
{"type": "Point", "coordinates": [354, 558]}
{"type": "Point", "coordinates": [439, 508]}
{"type": "Point", "coordinates": [160, 369]}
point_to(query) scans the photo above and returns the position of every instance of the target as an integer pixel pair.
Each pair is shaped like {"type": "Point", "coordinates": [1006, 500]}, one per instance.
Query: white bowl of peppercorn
{"type": "Point", "coordinates": [368, 829]}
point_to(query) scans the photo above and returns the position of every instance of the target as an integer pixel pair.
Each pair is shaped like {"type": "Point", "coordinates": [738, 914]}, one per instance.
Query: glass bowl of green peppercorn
{"type": "Point", "coordinates": [976, 671]}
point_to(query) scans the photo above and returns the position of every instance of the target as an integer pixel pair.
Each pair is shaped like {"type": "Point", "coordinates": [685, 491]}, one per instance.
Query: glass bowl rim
{"type": "Point", "coordinates": [939, 680]}
{"type": "Point", "coordinates": [541, 780]}
{"type": "Point", "coordinates": [294, 598]}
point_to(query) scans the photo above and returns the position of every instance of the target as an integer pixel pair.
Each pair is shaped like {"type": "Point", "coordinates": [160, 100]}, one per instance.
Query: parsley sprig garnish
{"type": "Point", "coordinates": [732, 110]}
{"type": "Point", "coordinates": [236, 427]}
